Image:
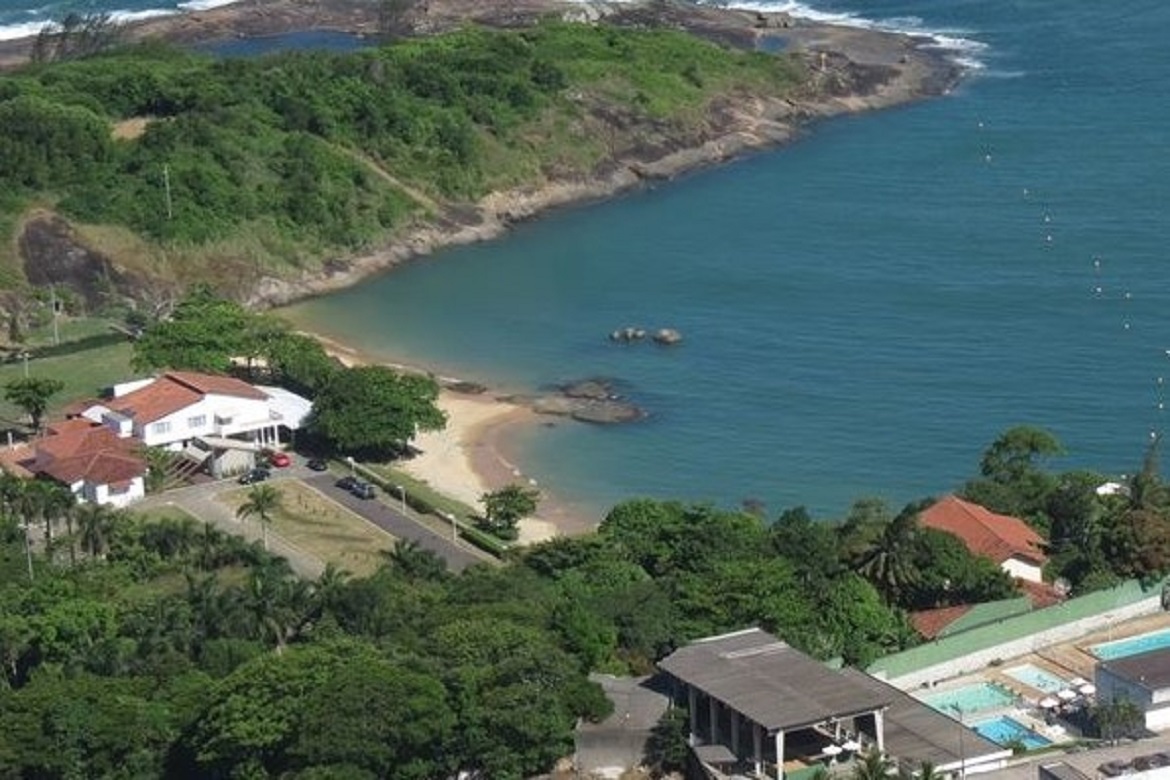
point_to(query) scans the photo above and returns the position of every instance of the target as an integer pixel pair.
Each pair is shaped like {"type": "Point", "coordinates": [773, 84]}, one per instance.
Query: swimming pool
{"type": "Point", "coordinates": [1040, 679]}
{"type": "Point", "coordinates": [968, 699]}
{"type": "Point", "coordinates": [1004, 731]}
{"type": "Point", "coordinates": [1142, 643]}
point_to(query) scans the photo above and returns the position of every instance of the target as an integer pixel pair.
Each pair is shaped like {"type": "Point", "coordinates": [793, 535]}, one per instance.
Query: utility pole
{"type": "Point", "coordinates": [28, 551]}
{"type": "Point", "coordinates": [167, 187]}
{"type": "Point", "coordinates": [53, 303]}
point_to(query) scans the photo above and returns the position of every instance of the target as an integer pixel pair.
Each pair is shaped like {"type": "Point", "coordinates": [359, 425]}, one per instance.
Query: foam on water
{"type": "Point", "coordinates": [9, 32]}
{"type": "Point", "coordinates": [204, 5]}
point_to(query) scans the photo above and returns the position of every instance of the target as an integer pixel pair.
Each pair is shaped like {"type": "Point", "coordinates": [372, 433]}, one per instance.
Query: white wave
{"type": "Point", "coordinates": [964, 50]}
{"type": "Point", "coordinates": [137, 16]}
{"type": "Point", "coordinates": [10, 32]}
{"type": "Point", "coordinates": [204, 5]}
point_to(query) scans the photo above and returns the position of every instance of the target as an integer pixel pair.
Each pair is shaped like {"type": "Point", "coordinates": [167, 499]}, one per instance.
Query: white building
{"type": "Point", "coordinates": [95, 464]}
{"type": "Point", "coordinates": [1143, 679]}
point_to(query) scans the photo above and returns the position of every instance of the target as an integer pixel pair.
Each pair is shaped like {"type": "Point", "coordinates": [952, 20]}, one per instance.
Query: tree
{"type": "Point", "coordinates": [666, 749]}
{"type": "Point", "coordinates": [1012, 480]}
{"type": "Point", "coordinates": [504, 508]}
{"type": "Point", "coordinates": [96, 523]}
{"type": "Point", "coordinates": [889, 561]}
{"type": "Point", "coordinates": [203, 333]}
{"type": "Point", "coordinates": [872, 765]}
{"type": "Point", "coordinates": [414, 562]}
{"type": "Point", "coordinates": [263, 502]}
{"type": "Point", "coordinates": [374, 411]}
{"type": "Point", "coordinates": [32, 395]}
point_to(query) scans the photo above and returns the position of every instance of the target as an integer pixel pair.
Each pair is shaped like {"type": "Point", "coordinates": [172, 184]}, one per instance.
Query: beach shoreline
{"type": "Point", "coordinates": [475, 452]}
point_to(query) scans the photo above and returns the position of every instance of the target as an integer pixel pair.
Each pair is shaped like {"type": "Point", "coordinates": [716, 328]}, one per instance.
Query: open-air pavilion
{"type": "Point", "coordinates": [761, 707]}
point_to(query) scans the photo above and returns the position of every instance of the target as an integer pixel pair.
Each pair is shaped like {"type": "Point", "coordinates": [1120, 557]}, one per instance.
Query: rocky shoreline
{"type": "Point", "coordinates": [874, 70]}
{"type": "Point", "coordinates": [857, 70]}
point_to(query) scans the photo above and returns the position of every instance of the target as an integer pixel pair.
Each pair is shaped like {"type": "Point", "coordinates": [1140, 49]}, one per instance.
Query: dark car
{"type": "Point", "coordinates": [363, 490]}
{"type": "Point", "coordinates": [347, 483]}
{"type": "Point", "coordinates": [252, 476]}
{"type": "Point", "coordinates": [317, 464]}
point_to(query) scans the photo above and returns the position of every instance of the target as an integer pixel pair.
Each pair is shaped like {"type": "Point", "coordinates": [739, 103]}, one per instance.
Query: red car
{"type": "Point", "coordinates": [280, 460]}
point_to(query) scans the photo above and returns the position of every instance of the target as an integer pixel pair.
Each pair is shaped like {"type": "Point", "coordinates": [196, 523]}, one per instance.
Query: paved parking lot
{"type": "Point", "coordinates": [201, 502]}
{"type": "Point", "coordinates": [458, 555]}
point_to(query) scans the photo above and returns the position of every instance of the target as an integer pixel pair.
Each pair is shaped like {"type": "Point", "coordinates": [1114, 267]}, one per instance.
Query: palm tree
{"type": "Point", "coordinates": [263, 501]}
{"type": "Point", "coordinates": [96, 524]}
{"type": "Point", "coordinates": [888, 562]}
{"type": "Point", "coordinates": [415, 562]}
{"type": "Point", "coordinates": [872, 765]}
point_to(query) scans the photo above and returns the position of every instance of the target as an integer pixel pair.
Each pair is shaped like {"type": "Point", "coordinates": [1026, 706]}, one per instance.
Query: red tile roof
{"type": "Point", "coordinates": [78, 449]}
{"type": "Point", "coordinates": [176, 390]}
{"type": "Point", "coordinates": [985, 533]}
{"type": "Point", "coordinates": [155, 401]}
{"type": "Point", "coordinates": [213, 384]}
{"type": "Point", "coordinates": [1042, 594]}
{"type": "Point", "coordinates": [98, 468]}
{"type": "Point", "coordinates": [931, 622]}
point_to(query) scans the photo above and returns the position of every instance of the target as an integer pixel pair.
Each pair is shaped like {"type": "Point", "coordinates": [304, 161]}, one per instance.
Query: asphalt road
{"type": "Point", "coordinates": [458, 555]}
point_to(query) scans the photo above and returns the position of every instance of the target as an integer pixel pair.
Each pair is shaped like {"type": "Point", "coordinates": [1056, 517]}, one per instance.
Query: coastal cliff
{"type": "Point", "coordinates": [841, 69]}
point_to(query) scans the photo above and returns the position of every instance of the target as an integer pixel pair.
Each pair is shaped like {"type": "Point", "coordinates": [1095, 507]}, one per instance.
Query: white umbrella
{"type": "Point", "coordinates": [1066, 694]}
{"type": "Point", "coordinates": [1077, 682]}
{"type": "Point", "coordinates": [1048, 702]}
{"type": "Point", "coordinates": [851, 745]}
{"type": "Point", "coordinates": [832, 750]}
{"type": "Point", "coordinates": [1088, 689]}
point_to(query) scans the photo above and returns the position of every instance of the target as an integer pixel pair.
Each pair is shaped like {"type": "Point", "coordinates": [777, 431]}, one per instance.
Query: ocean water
{"type": "Point", "coordinates": [863, 310]}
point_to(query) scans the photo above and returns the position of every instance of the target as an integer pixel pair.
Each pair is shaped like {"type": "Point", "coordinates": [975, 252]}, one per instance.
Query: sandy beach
{"type": "Point", "coordinates": [471, 456]}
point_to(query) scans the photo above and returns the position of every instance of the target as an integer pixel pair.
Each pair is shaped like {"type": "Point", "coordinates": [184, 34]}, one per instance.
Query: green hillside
{"type": "Point", "coordinates": [184, 166]}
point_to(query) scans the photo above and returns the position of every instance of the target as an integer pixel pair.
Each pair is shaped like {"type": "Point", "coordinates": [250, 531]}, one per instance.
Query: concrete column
{"type": "Point", "coordinates": [693, 711]}
{"type": "Point", "coordinates": [734, 732]}
{"type": "Point", "coordinates": [780, 754]}
{"type": "Point", "coordinates": [758, 747]}
{"type": "Point", "coordinates": [713, 718]}
{"type": "Point", "coordinates": [879, 730]}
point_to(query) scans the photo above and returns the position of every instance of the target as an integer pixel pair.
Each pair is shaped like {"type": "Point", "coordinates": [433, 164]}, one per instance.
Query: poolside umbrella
{"type": "Point", "coordinates": [832, 750]}
{"type": "Point", "coordinates": [1088, 689]}
{"type": "Point", "coordinates": [1048, 702]}
{"type": "Point", "coordinates": [851, 745]}
{"type": "Point", "coordinates": [1077, 682]}
{"type": "Point", "coordinates": [1066, 694]}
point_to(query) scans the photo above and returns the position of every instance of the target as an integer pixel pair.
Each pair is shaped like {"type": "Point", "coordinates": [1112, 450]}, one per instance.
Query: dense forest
{"type": "Point", "coordinates": [280, 159]}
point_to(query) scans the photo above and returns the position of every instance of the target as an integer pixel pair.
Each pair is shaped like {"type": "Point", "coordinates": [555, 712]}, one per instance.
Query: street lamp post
{"type": "Point", "coordinates": [962, 744]}
{"type": "Point", "coordinates": [25, 356]}
{"type": "Point", "coordinates": [352, 465]}
{"type": "Point", "coordinates": [401, 491]}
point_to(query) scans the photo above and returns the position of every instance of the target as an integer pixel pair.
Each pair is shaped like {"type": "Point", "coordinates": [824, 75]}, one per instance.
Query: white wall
{"type": "Point", "coordinates": [1066, 632]}
{"type": "Point", "coordinates": [102, 494]}
{"type": "Point", "coordinates": [1018, 567]}
{"type": "Point", "coordinates": [246, 414]}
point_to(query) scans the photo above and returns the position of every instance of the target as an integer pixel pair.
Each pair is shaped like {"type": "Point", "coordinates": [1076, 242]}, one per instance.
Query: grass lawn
{"type": "Point", "coordinates": [323, 528]}
{"type": "Point", "coordinates": [85, 374]}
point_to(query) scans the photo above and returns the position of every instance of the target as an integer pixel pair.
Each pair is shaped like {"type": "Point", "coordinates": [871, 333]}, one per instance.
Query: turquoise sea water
{"type": "Point", "coordinates": [864, 310]}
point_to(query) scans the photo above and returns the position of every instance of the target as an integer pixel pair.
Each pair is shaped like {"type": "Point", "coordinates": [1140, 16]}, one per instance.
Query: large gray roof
{"type": "Point", "coordinates": [769, 682]}
{"type": "Point", "coordinates": [1150, 669]}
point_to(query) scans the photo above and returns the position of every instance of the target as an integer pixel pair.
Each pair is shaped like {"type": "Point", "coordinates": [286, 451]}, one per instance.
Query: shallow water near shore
{"type": "Point", "coordinates": [864, 310]}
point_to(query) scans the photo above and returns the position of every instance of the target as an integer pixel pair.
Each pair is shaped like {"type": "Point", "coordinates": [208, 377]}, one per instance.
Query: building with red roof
{"type": "Point", "coordinates": [96, 464]}
{"type": "Point", "coordinates": [1008, 541]}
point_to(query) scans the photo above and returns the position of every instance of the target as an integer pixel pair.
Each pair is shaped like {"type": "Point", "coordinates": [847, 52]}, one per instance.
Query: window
{"type": "Point", "coordinates": [161, 427]}
{"type": "Point", "coordinates": [198, 421]}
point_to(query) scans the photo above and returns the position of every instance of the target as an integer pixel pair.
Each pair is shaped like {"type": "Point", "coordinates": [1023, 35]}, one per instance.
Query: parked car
{"type": "Point", "coordinates": [347, 483]}
{"type": "Point", "coordinates": [317, 464]}
{"type": "Point", "coordinates": [280, 460]}
{"type": "Point", "coordinates": [364, 490]}
{"type": "Point", "coordinates": [252, 476]}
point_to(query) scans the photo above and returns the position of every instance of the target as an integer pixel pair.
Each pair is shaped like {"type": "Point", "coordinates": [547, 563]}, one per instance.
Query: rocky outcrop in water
{"type": "Point", "coordinates": [588, 400]}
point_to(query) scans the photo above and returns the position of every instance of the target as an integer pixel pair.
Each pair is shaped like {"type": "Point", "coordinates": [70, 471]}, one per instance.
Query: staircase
{"type": "Point", "coordinates": [181, 467]}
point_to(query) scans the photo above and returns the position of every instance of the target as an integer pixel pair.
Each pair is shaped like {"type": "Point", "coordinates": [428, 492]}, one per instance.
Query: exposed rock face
{"type": "Point", "coordinates": [51, 253]}
{"type": "Point", "coordinates": [588, 400]}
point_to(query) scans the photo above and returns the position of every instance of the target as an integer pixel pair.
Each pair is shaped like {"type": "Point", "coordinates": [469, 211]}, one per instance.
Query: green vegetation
{"type": "Point", "coordinates": [276, 161]}
{"type": "Point", "coordinates": [503, 509]}
{"type": "Point", "coordinates": [32, 395]}
{"type": "Point", "coordinates": [323, 528]}
{"type": "Point", "coordinates": [84, 373]}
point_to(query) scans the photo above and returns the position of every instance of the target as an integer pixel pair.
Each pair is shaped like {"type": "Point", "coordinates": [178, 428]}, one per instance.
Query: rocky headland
{"type": "Point", "coordinates": [853, 69]}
